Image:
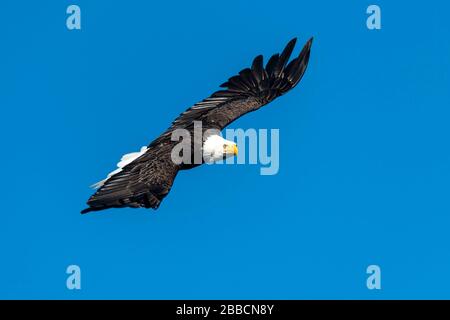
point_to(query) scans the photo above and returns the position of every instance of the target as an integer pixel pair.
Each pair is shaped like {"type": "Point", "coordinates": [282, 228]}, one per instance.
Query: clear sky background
{"type": "Point", "coordinates": [364, 151]}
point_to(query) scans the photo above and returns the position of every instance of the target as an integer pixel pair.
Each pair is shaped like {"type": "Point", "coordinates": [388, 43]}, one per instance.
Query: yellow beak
{"type": "Point", "coordinates": [231, 150]}
{"type": "Point", "coordinates": [235, 150]}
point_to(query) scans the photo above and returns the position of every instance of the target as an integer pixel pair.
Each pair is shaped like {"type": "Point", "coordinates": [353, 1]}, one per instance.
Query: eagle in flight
{"type": "Point", "coordinates": [144, 178]}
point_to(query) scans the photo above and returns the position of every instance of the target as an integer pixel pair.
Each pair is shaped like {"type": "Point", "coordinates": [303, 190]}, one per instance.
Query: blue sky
{"type": "Point", "coordinates": [364, 154]}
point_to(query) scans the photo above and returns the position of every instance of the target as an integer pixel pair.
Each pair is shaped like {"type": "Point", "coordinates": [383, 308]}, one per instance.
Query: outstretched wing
{"type": "Point", "coordinates": [251, 89]}
{"type": "Point", "coordinates": [141, 183]}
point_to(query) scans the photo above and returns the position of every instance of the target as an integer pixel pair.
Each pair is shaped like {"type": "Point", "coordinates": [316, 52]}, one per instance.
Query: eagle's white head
{"type": "Point", "coordinates": [216, 148]}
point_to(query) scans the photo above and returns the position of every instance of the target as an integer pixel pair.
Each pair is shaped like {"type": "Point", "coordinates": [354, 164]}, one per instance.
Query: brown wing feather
{"type": "Point", "coordinates": [251, 89]}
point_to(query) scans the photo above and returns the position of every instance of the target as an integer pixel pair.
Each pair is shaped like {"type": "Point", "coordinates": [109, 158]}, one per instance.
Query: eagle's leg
{"type": "Point", "coordinates": [150, 201]}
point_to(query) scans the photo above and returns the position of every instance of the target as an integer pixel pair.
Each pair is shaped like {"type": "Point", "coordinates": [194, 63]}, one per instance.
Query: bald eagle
{"type": "Point", "coordinates": [144, 178]}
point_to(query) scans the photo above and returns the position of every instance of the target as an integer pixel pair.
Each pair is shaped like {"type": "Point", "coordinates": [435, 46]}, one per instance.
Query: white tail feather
{"type": "Point", "coordinates": [126, 159]}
